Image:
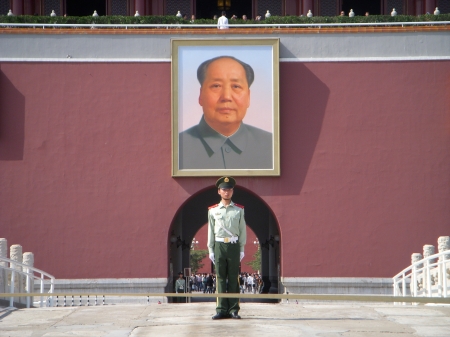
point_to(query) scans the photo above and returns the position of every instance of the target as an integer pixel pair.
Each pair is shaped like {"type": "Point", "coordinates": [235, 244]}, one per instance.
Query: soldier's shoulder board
{"type": "Point", "coordinates": [237, 205]}
{"type": "Point", "coordinates": [213, 206]}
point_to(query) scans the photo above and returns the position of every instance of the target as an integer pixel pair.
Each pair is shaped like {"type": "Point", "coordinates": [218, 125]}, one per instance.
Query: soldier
{"type": "Point", "coordinates": [180, 287]}
{"type": "Point", "coordinates": [226, 242]}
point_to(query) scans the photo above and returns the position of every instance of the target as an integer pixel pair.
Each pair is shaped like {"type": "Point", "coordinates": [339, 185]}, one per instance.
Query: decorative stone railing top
{"type": "Point", "coordinates": [18, 273]}
{"type": "Point", "coordinates": [425, 277]}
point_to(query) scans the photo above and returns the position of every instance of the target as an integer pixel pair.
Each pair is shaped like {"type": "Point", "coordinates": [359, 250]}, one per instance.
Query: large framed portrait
{"type": "Point", "coordinates": [225, 107]}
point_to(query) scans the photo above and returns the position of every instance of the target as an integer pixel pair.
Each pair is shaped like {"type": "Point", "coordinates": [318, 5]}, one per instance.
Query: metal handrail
{"type": "Point", "coordinates": [423, 268]}
{"type": "Point", "coordinates": [251, 25]}
{"type": "Point", "coordinates": [28, 272]}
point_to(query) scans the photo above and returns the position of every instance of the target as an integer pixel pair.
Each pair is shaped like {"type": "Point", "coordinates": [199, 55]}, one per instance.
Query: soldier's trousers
{"type": "Point", "coordinates": [227, 267]}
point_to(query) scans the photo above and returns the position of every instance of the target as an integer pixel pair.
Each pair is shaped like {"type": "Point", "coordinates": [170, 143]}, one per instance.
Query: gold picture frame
{"type": "Point", "coordinates": [200, 147]}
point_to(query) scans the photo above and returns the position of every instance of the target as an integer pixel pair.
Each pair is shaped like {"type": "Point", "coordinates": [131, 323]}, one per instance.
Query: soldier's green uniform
{"type": "Point", "coordinates": [180, 285]}
{"type": "Point", "coordinates": [226, 239]}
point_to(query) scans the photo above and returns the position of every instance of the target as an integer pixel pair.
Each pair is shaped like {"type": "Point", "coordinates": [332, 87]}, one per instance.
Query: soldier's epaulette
{"type": "Point", "coordinates": [213, 206]}
{"type": "Point", "coordinates": [237, 205]}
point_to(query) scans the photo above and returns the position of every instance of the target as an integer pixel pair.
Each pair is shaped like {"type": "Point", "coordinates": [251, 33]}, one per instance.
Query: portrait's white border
{"type": "Point", "coordinates": [177, 46]}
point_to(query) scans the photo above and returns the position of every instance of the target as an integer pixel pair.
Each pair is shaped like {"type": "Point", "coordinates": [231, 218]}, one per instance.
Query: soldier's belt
{"type": "Point", "coordinates": [233, 239]}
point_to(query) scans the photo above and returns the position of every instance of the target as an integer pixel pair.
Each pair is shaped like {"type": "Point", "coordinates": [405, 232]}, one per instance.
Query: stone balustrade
{"type": "Point", "coordinates": [20, 282]}
{"type": "Point", "coordinates": [436, 274]}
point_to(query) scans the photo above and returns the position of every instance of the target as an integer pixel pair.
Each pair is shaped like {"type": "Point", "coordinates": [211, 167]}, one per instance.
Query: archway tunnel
{"type": "Point", "coordinates": [193, 215]}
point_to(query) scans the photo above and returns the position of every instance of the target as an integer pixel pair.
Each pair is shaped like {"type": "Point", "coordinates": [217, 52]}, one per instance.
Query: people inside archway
{"type": "Point", "coordinates": [204, 281]}
{"type": "Point", "coordinates": [226, 243]}
{"type": "Point", "coordinates": [242, 280]}
{"type": "Point", "coordinates": [180, 287]}
{"type": "Point", "coordinates": [250, 283]}
{"type": "Point", "coordinates": [209, 284]}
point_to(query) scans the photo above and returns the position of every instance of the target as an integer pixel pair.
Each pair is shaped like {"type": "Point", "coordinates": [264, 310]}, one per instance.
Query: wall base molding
{"type": "Point", "coordinates": [293, 285]}
{"type": "Point", "coordinates": [338, 285]}
{"type": "Point", "coordinates": [121, 285]}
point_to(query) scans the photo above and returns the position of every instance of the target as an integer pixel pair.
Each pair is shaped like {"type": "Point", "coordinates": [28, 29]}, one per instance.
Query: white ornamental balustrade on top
{"type": "Point", "coordinates": [16, 277]}
{"type": "Point", "coordinates": [427, 277]}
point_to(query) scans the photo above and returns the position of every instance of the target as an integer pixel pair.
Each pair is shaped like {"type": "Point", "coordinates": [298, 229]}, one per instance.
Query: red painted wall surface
{"type": "Point", "coordinates": [365, 162]}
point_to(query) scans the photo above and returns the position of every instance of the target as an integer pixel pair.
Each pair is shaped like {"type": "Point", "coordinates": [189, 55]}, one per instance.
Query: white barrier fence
{"type": "Point", "coordinates": [427, 277]}
{"type": "Point", "coordinates": [19, 277]}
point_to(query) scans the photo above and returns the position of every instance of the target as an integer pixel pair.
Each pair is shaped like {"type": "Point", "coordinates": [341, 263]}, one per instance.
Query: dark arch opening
{"type": "Point", "coordinates": [85, 7]}
{"type": "Point", "coordinates": [192, 215]}
{"type": "Point", "coordinates": [361, 7]}
{"type": "Point", "coordinates": [206, 9]}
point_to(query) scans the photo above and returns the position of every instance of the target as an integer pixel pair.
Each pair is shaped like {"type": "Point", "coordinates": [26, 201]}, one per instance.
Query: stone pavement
{"type": "Point", "coordinates": [324, 319]}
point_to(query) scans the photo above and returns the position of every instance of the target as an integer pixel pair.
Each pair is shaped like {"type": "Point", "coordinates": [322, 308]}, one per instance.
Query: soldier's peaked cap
{"type": "Point", "coordinates": [225, 182]}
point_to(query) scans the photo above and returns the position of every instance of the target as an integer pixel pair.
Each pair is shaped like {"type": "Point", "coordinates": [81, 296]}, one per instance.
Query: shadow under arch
{"type": "Point", "coordinates": [193, 214]}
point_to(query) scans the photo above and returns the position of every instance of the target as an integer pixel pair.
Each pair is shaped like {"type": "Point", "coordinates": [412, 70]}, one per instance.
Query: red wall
{"type": "Point", "coordinates": [365, 162]}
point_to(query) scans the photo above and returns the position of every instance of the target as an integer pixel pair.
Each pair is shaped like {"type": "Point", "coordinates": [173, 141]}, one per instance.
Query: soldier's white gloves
{"type": "Point", "coordinates": [241, 256]}
{"type": "Point", "coordinates": [211, 257]}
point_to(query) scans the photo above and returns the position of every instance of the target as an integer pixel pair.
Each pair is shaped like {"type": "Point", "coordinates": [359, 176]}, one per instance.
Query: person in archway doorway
{"type": "Point", "coordinates": [180, 286]}
{"type": "Point", "coordinates": [226, 242]}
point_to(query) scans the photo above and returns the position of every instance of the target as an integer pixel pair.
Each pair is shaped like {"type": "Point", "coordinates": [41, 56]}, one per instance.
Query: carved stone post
{"type": "Point", "coordinates": [416, 257]}
{"type": "Point", "coordinates": [443, 245]}
{"type": "Point", "coordinates": [15, 254]}
{"type": "Point", "coordinates": [3, 252]}
{"type": "Point", "coordinates": [444, 271]}
{"type": "Point", "coordinates": [428, 250]}
{"type": "Point", "coordinates": [28, 259]}
{"type": "Point", "coordinates": [416, 280]}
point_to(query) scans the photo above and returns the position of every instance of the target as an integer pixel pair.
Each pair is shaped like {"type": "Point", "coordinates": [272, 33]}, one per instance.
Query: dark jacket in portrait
{"type": "Point", "coordinates": [201, 147]}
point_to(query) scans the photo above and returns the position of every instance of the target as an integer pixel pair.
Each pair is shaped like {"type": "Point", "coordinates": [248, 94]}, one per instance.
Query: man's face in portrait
{"type": "Point", "coordinates": [224, 95]}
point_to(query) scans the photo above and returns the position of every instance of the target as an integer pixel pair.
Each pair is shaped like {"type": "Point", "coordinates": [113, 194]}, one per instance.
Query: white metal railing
{"type": "Point", "coordinates": [192, 25]}
{"type": "Point", "coordinates": [428, 277]}
{"type": "Point", "coordinates": [17, 273]}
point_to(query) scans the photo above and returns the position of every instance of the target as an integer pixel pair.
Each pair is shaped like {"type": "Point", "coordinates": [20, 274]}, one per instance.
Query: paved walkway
{"type": "Point", "coordinates": [322, 319]}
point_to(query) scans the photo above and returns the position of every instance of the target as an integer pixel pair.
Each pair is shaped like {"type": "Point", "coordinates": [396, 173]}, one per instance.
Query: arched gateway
{"type": "Point", "coordinates": [192, 215]}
